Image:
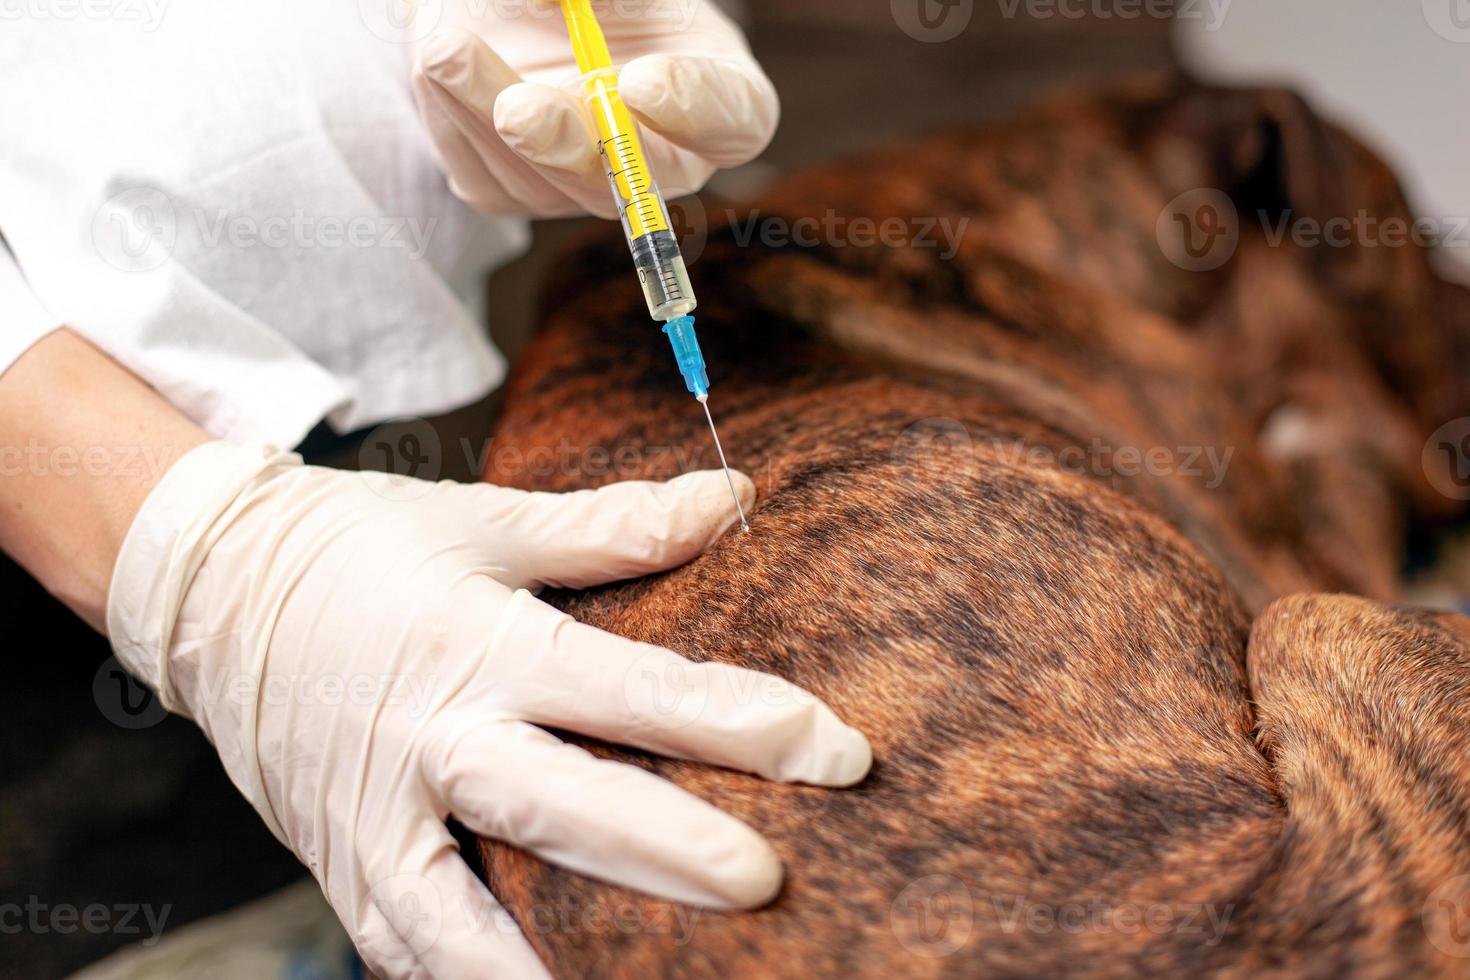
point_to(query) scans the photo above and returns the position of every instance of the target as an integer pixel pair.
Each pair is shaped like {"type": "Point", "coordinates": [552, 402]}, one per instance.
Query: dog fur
{"type": "Point", "coordinates": [1091, 683]}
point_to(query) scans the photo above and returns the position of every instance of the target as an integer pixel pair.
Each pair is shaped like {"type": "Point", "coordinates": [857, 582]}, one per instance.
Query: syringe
{"type": "Point", "coordinates": [645, 218]}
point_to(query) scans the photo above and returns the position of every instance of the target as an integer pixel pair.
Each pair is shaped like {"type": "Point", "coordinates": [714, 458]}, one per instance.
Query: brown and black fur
{"type": "Point", "coordinates": [1083, 688]}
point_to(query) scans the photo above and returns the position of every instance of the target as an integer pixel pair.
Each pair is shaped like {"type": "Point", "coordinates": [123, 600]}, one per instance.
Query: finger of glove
{"type": "Point", "coordinates": [514, 782]}
{"type": "Point", "coordinates": [585, 680]}
{"type": "Point", "coordinates": [548, 130]}
{"type": "Point", "coordinates": [382, 952]}
{"type": "Point", "coordinates": [551, 131]}
{"type": "Point", "coordinates": [458, 79]}
{"type": "Point", "coordinates": [620, 531]}
{"type": "Point", "coordinates": [725, 112]}
{"type": "Point", "coordinates": [468, 178]}
{"type": "Point", "coordinates": [430, 909]}
{"type": "Point", "coordinates": [678, 172]}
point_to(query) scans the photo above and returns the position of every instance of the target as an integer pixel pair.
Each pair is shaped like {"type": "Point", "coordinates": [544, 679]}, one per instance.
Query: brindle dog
{"type": "Point", "coordinates": [1027, 514]}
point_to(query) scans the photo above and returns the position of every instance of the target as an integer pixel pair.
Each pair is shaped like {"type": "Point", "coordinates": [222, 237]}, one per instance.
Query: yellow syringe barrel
{"type": "Point", "coordinates": [645, 217]}
{"type": "Point", "coordinates": [616, 131]}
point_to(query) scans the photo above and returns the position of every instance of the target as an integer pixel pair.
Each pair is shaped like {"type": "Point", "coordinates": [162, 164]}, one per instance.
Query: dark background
{"type": "Point", "coordinates": [95, 812]}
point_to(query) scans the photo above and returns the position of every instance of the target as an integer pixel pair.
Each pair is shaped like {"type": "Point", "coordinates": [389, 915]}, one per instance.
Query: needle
{"type": "Point", "coordinates": [744, 524]}
{"type": "Point", "coordinates": [645, 221]}
{"type": "Point", "coordinates": [680, 331]}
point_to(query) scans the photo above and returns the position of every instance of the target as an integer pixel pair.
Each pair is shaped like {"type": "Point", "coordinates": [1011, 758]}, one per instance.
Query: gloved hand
{"type": "Point", "coordinates": [515, 140]}
{"type": "Point", "coordinates": [363, 653]}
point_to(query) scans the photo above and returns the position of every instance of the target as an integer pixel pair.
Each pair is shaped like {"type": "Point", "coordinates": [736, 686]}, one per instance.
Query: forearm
{"type": "Point", "coordinates": [82, 442]}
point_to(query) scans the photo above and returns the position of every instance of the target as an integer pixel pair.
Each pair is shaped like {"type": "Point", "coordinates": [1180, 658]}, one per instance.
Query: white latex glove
{"type": "Point", "coordinates": [514, 139]}
{"type": "Point", "coordinates": [363, 653]}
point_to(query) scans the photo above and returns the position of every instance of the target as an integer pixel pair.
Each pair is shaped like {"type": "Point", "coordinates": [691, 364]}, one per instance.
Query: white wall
{"type": "Point", "coordinates": [1397, 72]}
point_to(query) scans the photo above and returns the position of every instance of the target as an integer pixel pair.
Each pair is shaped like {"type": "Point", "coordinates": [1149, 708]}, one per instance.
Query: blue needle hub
{"type": "Point", "coordinates": [680, 332]}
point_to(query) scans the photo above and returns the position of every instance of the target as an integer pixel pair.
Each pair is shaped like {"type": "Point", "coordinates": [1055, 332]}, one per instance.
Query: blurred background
{"type": "Point", "coordinates": [104, 800]}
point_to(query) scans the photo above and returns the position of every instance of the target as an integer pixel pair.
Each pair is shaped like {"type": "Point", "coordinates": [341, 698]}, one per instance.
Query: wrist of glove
{"type": "Point", "coordinates": [366, 655]}
{"type": "Point", "coordinates": [513, 138]}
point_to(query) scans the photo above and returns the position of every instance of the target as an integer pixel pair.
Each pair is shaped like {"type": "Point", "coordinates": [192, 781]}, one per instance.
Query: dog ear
{"type": "Point", "coordinates": [1287, 168]}
{"type": "Point", "coordinates": [1324, 174]}
{"type": "Point", "coordinates": [1276, 158]}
